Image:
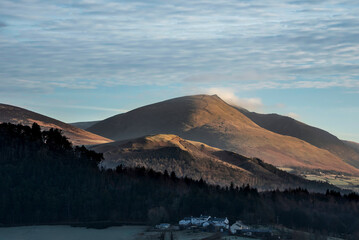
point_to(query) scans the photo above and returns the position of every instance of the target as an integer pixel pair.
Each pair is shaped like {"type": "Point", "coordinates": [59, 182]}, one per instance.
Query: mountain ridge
{"type": "Point", "coordinates": [352, 144]}
{"type": "Point", "coordinates": [210, 120]}
{"type": "Point", "coordinates": [84, 125]}
{"type": "Point", "coordinates": [17, 115]}
{"type": "Point", "coordinates": [320, 138]}
{"type": "Point", "coordinates": [196, 160]}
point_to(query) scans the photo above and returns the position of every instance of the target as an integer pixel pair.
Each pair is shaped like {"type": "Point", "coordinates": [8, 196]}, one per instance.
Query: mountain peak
{"type": "Point", "coordinates": [173, 116]}
{"type": "Point", "coordinates": [208, 119]}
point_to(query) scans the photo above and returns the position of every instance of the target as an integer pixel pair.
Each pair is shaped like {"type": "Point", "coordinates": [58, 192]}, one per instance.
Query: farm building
{"type": "Point", "coordinates": [238, 226]}
{"type": "Point", "coordinates": [199, 221]}
{"type": "Point", "coordinates": [194, 221]}
{"type": "Point", "coordinates": [219, 224]}
{"type": "Point", "coordinates": [185, 222]}
{"type": "Point", "coordinates": [163, 226]}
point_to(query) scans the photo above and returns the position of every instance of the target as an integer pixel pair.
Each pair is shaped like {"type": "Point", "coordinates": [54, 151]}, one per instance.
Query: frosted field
{"type": "Point", "coordinates": [71, 233]}
{"type": "Point", "coordinates": [62, 232]}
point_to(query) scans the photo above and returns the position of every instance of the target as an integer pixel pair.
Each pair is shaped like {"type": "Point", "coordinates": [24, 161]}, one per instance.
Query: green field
{"type": "Point", "coordinates": [338, 179]}
{"type": "Point", "coordinates": [342, 181]}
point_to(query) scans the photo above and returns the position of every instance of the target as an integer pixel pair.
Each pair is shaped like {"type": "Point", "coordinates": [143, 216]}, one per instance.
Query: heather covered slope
{"type": "Point", "coordinates": [22, 116]}
{"type": "Point", "coordinates": [195, 160]}
{"type": "Point", "coordinates": [315, 136]}
{"type": "Point", "coordinates": [210, 120]}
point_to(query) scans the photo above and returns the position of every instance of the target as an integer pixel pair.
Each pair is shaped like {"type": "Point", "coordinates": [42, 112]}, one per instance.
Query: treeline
{"type": "Point", "coordinates": [44, 180]}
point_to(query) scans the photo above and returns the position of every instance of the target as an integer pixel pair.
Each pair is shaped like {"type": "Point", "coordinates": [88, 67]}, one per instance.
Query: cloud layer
{"type": "Point", "coordinates": [229, 96]}
{"type": "Point", "coordinates": [252, 44]}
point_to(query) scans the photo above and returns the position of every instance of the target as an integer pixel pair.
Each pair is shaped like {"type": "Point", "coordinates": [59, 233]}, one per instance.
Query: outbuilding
{"type": "Point", "coordinates": [237, 227]}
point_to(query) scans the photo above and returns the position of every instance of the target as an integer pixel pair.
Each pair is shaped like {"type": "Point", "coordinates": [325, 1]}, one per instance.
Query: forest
{"type": "Point", "coordinates": [45, 180]}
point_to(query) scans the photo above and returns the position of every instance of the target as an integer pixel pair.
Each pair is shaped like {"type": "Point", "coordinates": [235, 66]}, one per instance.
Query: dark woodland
{"type": "Point", "coordinates": [45, 180]}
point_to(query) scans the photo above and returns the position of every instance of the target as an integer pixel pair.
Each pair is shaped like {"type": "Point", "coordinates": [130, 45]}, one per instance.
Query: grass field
{"type": "Point", "coordinates": [71, 233]}
{"type": "Point", "coordinates": [338, 179]}
{"type": "Point", "coordinates": [80, 233]}
{"type": "Point", "coordinates": [342, 181]}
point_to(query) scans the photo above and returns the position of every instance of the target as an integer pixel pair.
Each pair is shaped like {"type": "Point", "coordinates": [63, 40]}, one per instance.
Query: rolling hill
{"type": "Point", "coordinates": [210, 120]}
{"type": "Point", "coordinates": [195, 160]}
{"type": "Point", "coordinates": [83, 125]}
{"type": "Point", "coordinates": [353, 145]}
{"type": "Point", "coordinates": [22, 116]}
{"type": "Point", "coordinates": [288, 126]}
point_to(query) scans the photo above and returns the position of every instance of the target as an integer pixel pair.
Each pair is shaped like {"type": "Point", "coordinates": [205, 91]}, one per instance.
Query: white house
{"type": "Point", "coordinates": [199, 221]}
{"type": "Point", "coordinates": [185, 222]}
{"type": "Point", "coordinates": [238, 226]}
{"type": "Point", "coordinates": [163, 226]}
{"type": "Point", "coordinates": [205, 221]}
{"type": "Point", "coordinates": [220, 222]}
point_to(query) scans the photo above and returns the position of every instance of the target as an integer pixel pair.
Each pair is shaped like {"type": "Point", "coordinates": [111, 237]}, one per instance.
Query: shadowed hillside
{"type": "Point", "coordinates": [197, 161]}
{"type": "Point", "coordinates": [315, 136]}
{"type": "Point", "coordinates": [22, 116]}
{"type": "Point", "coordinates": [58, 184]}
{"type": "Point", "coordinates": [83, 125]}
{"type": "Point", "coordinates": [353, 145]}
{"type": "Point", "coordinates": [210, 120]}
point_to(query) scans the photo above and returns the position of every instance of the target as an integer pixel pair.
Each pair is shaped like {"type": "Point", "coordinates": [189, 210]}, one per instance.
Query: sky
{"type": "Point", "coordinates": [89, 60]}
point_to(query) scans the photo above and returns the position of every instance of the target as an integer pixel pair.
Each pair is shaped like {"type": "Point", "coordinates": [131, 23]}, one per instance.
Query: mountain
{"type": "Point", "coordinates": [195, 160]}
{"type": "Point", "coordinates": [353, 145]}
{"type": "Point", "coordinates": [43, 181]}
{"type": "Point", "coordinates": [210, 120]}
{"type": "Point", "coordinates": [83, 125]}
{"type": "Point", "coordinates": [22, 116]}
{"type": "Point", "coordinates": [315, 136]}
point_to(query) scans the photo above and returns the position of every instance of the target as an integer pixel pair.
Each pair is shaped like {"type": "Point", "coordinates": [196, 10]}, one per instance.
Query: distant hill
{"type": "Point", "coordinates": [83, 125]}
{"type": "Point", "coordinates": [352, 144]}
{"type": "Point", "coordinates": [288, 126]}
{"type": "Point", "coordinates": [195, 160]}
{"type": "Point", "coordinates": [210, 120]}
{"type": "Point", "coordinates": [77, 136]}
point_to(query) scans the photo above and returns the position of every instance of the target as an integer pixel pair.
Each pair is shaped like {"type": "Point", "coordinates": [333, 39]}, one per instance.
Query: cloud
{"type": "Point", "coordinates": [20, 86]}
{"type": "Point", "coordinates": [230, 97]}
{"type": "Point", "coordinates": [252, 104]}
{"type": "Point", "coordinates": [280, 105]}
{"type": "Point", "coordinates": [294, 115]}
{"type": "Point", "coordinates": [273, 44]}
{"type": "Point", "coordinates": [343, 82]}
{"type": "Point", "coordinates": [350, 136]}
{"type": "Point", "coordinates": [116, 110]}
{"type": "Point", "coordinates": [71, 106]}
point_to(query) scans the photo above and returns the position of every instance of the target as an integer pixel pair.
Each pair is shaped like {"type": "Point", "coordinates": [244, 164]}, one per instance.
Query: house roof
{"type": "Point", "coordinates": [219, 219]}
